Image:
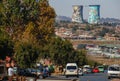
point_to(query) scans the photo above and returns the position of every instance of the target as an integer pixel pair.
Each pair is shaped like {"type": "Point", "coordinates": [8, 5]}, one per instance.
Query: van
{"type": "Point", "coordinates": [113, 71]}
{"type": "Point", "coordinates": [71, 70]}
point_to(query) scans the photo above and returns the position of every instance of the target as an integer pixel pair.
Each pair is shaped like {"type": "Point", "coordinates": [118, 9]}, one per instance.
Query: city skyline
{"type": "Point", "coordinates": [109, 9]}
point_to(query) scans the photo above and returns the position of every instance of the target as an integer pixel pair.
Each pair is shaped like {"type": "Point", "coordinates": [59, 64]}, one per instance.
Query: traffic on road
{"type": "Point", "coordinates": [73, 72]}
{"type": "Point", "coordinates": [87, 73]}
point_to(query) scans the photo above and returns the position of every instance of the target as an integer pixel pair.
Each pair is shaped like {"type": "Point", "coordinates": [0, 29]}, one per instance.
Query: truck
{"type": "Point", "coordinates": [3, 71]}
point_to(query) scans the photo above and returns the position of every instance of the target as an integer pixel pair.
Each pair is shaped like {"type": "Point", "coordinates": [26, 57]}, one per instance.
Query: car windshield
{"type": "Point", "coordinates": [87, 67]}
{"type": "Point", "coordinates": [100, 67]}
{"type": "Point", "coordinates": [71, 67]}
{"type": "Point", "coordinates": [114, 68]}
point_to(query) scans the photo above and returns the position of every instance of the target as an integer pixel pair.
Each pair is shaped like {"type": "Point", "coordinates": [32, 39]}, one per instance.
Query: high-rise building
{"type": "Point", "coordinates": [94, 14]}
{"type": "Point", "coordinates": [77, 15]}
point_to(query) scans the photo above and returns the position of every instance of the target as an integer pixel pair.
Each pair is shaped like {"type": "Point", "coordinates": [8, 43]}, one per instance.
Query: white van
{"type": "Point", "coordinates": [113, 71]}
{"type": "Point", "coordinates": [71, 70]}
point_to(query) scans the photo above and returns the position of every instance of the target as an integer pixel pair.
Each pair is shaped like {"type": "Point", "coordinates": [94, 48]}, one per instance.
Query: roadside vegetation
{"type": "Point", "coordinates": [27, 34]}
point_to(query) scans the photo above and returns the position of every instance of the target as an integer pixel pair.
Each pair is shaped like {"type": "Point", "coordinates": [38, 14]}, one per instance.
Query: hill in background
{"type": "Point", "coordinates": [102, 20]}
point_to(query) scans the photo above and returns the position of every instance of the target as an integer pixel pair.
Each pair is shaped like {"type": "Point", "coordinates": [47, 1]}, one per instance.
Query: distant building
{"type": "Point", "coordinates": [117, 29]}
{"type": "Point", "coordinates": [110, 37]}
{"type": "Point", "coordinates": [94, 14]}
{"type": "Point", "coordinates": [77, 15]}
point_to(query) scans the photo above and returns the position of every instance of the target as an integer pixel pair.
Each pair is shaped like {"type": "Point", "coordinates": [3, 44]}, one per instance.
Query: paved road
{"type": "Point", "coordinates": [85, 77]}
{"type": "Point", "coordinates": [94, 77]}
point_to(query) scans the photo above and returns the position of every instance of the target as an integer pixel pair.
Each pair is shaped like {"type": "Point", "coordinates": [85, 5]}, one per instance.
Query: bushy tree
{"type": "Point", "coordinates": [6, 45]}
{"type": "Point", "coordinates": [16, 14]}
{"type": "Point", "coordinates": [61, 52]}
{"type": "Point", "coordinates": [30, 25]}
{"type": "Point", "coordinates": [60, 49]}
{"type": "Point", "coordinates": [46, 21]}
{"type": "Point", "coordinates": [26, 54]}
{"type": "Point", "coordinates": [80, 57]}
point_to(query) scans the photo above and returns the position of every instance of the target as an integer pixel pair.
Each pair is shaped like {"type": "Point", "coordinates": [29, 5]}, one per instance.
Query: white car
{"type": "Point", "coordinates": [87, 69]}
{"type": "Point", "coordinates": [71, 70]}
{"type": "Point", "coordinates": [113, 71]}
{"type": "Point", "coordinates": [80, 72]}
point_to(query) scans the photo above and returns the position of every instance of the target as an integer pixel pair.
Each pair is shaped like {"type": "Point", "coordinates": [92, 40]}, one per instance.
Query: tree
{"type": "Point", "coordinates": [103, 31]}
{"type": "Point", "coordinates": [16, 14]}
{"type": "Point", "coordinates": [80, 57]}
{"type": "Point", "coordinates": [60, 49]}
{"type": "Point", "coordinates": [6, 45]}
{"type": "Point", "coordinates": [30, 10]}
{"type": "Point", "coordinates": [30, 25]}
{"type": "Point", "coordinates": [61, 52]}
{"type": "Point", "coordinates": [26, 54]}
{"type": "Point", "coordinates": [35, 33]}
{"type": "Point", "coordinates": [11, 13]}
{"type": "Point", "coordinates": [46, 21]}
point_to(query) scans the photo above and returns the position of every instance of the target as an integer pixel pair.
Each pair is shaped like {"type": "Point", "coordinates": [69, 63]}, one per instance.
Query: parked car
{"type": "Point", "coordinates": [95, 70]}
{"type": "Point", "coordinates": [113, 71]}
{"type": "Point", "coordinates": [44, 73]}
{"type": "Point", "coordinates": [80, 71]}
{"type": "Point", "coordinates": [25, 72]}
{"type": "Point", "coordinates": [101, 68]}
{"type": "Point", "coordinates": [87, 69]}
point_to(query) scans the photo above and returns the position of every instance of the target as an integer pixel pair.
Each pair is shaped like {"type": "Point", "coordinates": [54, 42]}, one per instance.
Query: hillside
{"type": "Point", "coordinates": [63, 18]}
{"type": "Point", "coordinates": [102, 20]}
{"type": "Point", "coordinates": [103, 60]}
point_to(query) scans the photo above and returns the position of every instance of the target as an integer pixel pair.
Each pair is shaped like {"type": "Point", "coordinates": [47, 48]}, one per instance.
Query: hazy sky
{"type": "Point", "coordinates": [109, 8]}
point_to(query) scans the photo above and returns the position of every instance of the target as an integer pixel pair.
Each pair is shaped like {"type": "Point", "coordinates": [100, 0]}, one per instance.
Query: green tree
{"type": "Point", "coordinates": [103, 31]}
{"type": "Point", "coordinates": [11, 13]}
{"type": "Point", "coordinates": [80, 57]}
{"type": "Point", "coordinates": [35, 34]}
{"type": "Point", "coordinates": [26, 54]}
{"type": "Point", "coordinates": [6, 45]}
{"type": "Point", "coordinates": [61, 49]}
{"type": "Point", "coordinates": [30, 11]}
{"type": "Point", "coordinates": [61, 52]}
{"type": "Point", "coordinates": [46, 21]}
{"type": "Point", "coordinates": [16, 14]}
{"type": "Point", "coordinates": [27, 49]}
{"type": "Point", "coordinates": [30, 24]}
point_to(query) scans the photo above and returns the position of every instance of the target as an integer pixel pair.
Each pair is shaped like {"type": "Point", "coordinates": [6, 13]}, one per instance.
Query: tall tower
{"type": "Point", "coordinates": [77, 15]}
{"type": "Point", "coordinates": [94, 14]}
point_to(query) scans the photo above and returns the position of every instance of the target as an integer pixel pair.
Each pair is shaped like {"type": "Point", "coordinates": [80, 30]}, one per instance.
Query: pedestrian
{"type": "Point", "coordinates": [10, 73]}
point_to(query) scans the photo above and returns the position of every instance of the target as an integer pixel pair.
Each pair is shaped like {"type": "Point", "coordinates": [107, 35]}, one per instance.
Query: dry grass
{"type": "Point", "coordinates": [103, 60]}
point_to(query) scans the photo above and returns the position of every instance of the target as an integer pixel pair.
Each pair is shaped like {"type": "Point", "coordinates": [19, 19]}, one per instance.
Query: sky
{"type": "Point", "coordinates": [108, 8]}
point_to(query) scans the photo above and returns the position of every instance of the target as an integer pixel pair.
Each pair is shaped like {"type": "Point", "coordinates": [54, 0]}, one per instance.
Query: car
{"type": "Point", "coordinates": [101, 68]}
{"type": "Point", "coordinates": [80, 72]}
{"type": "Point", "coordinates": [25, 72]}
{"type": "Point", "coordinates": [87, 69]}
{"type": "Point", "coordinates": [43, 73]}
{"type": "Point", "coordinates": [113, 71]}
{"type": "Point", "coordinates": [71, 70]}
{"type": "Point", "coordinates": [95, 70]}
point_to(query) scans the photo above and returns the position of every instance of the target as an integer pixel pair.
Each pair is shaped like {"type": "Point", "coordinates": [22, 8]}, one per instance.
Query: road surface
{"type": "Point", "coordinates": [85, 77]}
